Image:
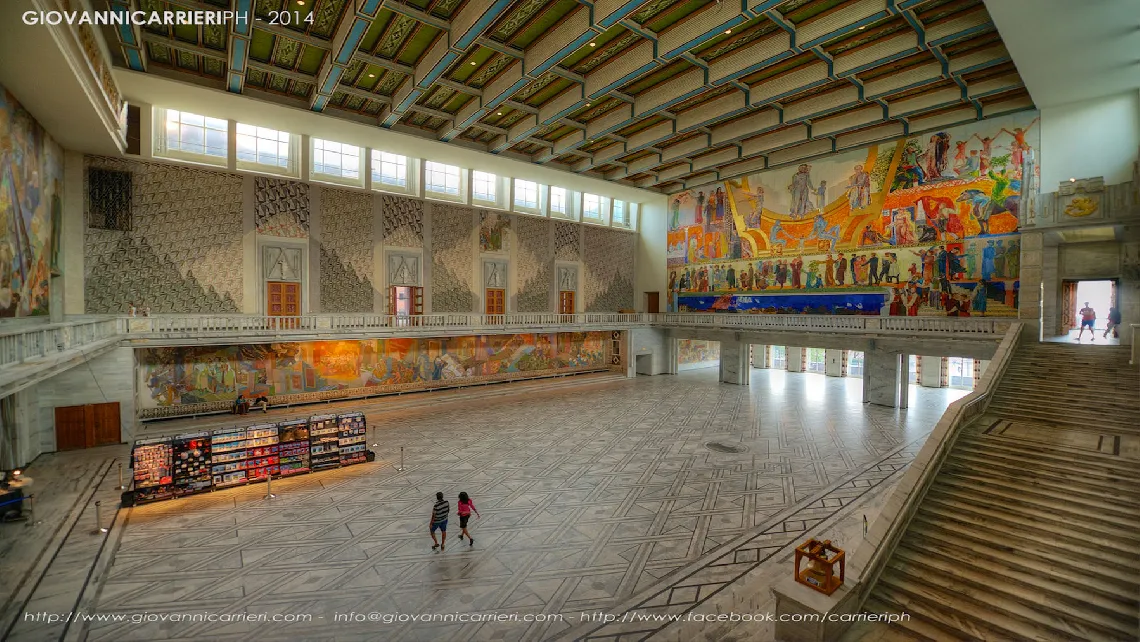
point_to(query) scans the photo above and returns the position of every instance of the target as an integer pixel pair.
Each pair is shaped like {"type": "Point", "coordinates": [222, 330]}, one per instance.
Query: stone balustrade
{"type": "Point", "coordinates": [28, 342]}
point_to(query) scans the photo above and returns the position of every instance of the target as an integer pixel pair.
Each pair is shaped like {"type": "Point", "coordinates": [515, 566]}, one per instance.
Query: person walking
{"type": "Point", "coordinates": [1113, 322]}
{"type": "Point", "coordinates": [464, 508]}
{"type": "Point", "coordinates": [1088, 320]}
{"type": "Point", "coordinates": [439, 513]}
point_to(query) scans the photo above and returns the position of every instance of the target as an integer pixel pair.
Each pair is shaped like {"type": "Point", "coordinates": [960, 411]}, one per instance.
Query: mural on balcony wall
{"type": "Point", "coordinates": [31, 175]}
{"type": "Point", "coordinates": [192, 375]}
{"type": "Point", "coordinates": [922, 226]}
{"type": "Point", "coordinates": [696, 353]}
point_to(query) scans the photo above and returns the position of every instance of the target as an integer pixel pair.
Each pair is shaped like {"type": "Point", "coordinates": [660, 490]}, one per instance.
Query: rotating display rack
{"type": "Point", "coordinates": [192, 463]}
{"type": "Point", "coordinates": [166, 467]}
{"type": "Point", "coordinates": [151, 461]}
{"type": "Point", "coordinates": [324, 442]}
{"type": "Point", "coordinates": [352, 438]}
{"type": "Point", "coordinates": [293, 439]}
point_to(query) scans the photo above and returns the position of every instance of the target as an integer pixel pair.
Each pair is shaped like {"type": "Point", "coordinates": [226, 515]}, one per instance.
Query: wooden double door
{"type": "Point", "coordinates": [94, 424]}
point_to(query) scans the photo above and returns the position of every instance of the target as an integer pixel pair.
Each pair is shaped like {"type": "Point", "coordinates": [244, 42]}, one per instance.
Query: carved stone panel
{"type": "Point", "coordinates": [495, 274]}
{"type": "Point", "coordinates": [281, 263]}
{"type": "Point", "coordinates": [403, 269]}
{"type": "Point", "coordinates": [567, 278]}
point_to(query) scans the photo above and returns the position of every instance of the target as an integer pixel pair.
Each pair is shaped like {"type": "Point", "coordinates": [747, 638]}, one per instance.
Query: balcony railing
{"type": "Point", "coordinates": [475, 323]}
{"type": "Point", "coordinates": [36, 341]}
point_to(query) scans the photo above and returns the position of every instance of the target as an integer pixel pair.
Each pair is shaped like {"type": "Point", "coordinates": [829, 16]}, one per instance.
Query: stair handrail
{"type": "Point", "coordinates": [869, 559]}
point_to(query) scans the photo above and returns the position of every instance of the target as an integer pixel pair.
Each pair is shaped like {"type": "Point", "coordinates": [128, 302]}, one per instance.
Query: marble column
{"type": "Point", "coordinates": [883, 374]}
{"type": "Point", "coordinates": [734, 363]}
{"type": "Point", "coordinates": [795, 359]}
{"type": "Point", "coordinates": [931, 375]}
{"type": "Point", "coordinates": [833, 363]}
{"type": "Point", "coordinates": [760, 355]}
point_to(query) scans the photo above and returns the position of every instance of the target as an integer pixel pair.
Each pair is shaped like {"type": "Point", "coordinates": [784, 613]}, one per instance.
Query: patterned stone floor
{"type": "Point", "coordinates": [593, 500]}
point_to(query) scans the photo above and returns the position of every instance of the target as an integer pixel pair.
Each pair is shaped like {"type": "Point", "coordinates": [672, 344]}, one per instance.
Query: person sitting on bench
{"type": "Point", "coordinates": [241, 405]}
{"type": "Point", "coordinates": [262, 401]}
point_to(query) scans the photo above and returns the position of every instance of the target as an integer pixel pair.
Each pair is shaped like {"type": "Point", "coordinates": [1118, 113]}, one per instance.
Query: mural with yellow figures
{"type": "Point", "coordinates": [187, 375]}
{"type": "Point", "coordinates": [925, 225]}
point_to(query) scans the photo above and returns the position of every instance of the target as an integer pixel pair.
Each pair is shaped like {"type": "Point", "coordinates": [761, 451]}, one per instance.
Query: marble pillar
{"type": "Point", "coordinates": [795, 359]}
{"type": "Point", "coordinates": [734, 363]}
{"type": "Point", "coordinates": [931, 372]}
{"type": "Point", "coordinates": [760, 356]}
{"type": "Point", "coordinates": [833, 363]}
{"type": "Point", "coordinates": [883, 374]}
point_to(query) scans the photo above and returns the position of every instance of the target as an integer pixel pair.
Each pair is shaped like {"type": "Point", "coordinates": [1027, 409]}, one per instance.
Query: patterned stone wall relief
{"type": "Point", "coordinates": [452, 259]}
{"type": "Point", "coordinates": [608, 279]}
{"type": "Point", "coordinates": [183, 251]}
{"type": "Point", "coordinates": [533, 259]}
{"type": "Point", "coordinates": [567, 242]}
{"type": "Point", "coordinates": [346, 251]}
{"type": "Point", "coordinates": [282, 208]}
{"type": "Point", "coordinates": [403, 221]}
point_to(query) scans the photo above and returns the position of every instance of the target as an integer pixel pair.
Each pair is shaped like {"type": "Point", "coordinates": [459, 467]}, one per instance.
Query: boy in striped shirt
{"type": "Point", "coordinates": [439, 513]}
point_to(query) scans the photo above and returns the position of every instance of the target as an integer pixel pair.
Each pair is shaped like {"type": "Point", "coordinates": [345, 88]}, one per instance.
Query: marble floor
{"type": "Point", "coordinates": [595, 500]}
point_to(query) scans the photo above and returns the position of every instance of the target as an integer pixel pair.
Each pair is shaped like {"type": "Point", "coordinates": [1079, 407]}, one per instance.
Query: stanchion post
{"type": "Point", "coordinates": [401, 467]}
{"type": "Point", "coordinates": [120, 486]}
{"type": "Point", "coordinates": [98, 519]}
{"type": "Point", "coordinates": [269, 487]}
{"type": "Point", "coordinates": [31, 512]}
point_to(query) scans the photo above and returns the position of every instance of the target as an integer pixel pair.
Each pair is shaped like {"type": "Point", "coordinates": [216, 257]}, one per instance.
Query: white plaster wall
{"type": "Point", "coordinates": [653, 347]}
{"type": "Point", "coordinates": [1097, 137]}
{"type": "Point", "coordinates": [651, 275]}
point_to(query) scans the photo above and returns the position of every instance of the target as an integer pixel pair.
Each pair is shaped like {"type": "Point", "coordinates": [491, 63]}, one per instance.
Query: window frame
{"type": "Point", "coordinates": [323, 177]}
{"type": "Point", "coordinates": [293, 162]}
{"type": "Point", "coordinates": [163, 150]}
{"type": "Point", "coordinates": [601, 217]}
{"type": "Point", "coordinates": [376, 176]}
{"type": "Point", "coordinates": [461, 178]}
{"type": "Point", "coordinates": [489, 179]}
{"type": "Point", "coordinates": [567, 211]}
{"type": "Point", "coordinates": [523, 206]}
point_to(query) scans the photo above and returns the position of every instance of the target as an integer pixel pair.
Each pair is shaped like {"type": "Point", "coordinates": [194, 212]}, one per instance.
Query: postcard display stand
{"type": "Point", "coordinates": [166, 467]}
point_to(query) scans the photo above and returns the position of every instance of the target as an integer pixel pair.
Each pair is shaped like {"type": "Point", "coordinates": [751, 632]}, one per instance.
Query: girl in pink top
{"type": "Point", "coordinates": [464, 508]}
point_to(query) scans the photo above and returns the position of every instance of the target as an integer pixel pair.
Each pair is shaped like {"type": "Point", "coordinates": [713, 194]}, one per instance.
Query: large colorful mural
{"type": "Point", "coordinates": [696, 353]}
{"type": "Point", "coordinates": [192, 375]}
{"type": "Point", "coordinates": [31, 176]}
{"type": "Point", "coordinates": [921, 226]}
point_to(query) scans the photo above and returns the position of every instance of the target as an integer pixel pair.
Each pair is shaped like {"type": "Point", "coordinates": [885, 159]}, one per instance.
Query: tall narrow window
{"type": "Point", "coordinates": [558, 201]}
{"type": "Point", "coordinates": [621, 215]}
{"type": "Point", "coordinates": [526, 194]}
{"type": "Point", "coordinates": [483, 186]}
{"type": "Point", "coordinates": [338, 161]}
{"type": "Point", "coordinates": [389, 169]}
{"type": "Point", "coordinates": [591, 206]}
{"type": "Point", "coordinates": [779, 357]}
{"type": "Point", "coordinates": [193, 134]}
{"type": "Point", "coordinates": [261, 147]}
{"type": "Point", "coordinates": [441, 179]}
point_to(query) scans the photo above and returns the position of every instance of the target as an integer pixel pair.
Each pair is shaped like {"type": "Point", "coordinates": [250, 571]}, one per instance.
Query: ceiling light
{"type": "Point", "coordinates": [727, 31]}
{"type": "Point", "coordinates": [301, 2]}
{"type": "Point", "coordinates": [499, 114]}
{"type": "Point", "coordinates": [1072, 180]}
{"type": "Point", "coordinates": [587, 104]}
{"type": "Point", "coordinates": [371, 75]}
{"type": "Point", "coordinates": [863, 27]}
{"type": "Point", "coordinates": [593, 44]}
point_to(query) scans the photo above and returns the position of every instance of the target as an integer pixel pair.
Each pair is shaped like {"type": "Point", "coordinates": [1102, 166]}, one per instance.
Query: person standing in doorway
{"type": "Point", "coordinates": [1088, 320]}
{"type": "Point", "coordinates": [1113, 322]}
{"type": "Point", "coordinates": [439, 513]}
{"type": "Point", "coordinates": [464, 507]}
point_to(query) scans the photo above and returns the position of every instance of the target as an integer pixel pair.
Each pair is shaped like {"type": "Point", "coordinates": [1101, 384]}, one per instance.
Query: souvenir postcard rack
{"type": "Point", "coordinates": [166, 467]}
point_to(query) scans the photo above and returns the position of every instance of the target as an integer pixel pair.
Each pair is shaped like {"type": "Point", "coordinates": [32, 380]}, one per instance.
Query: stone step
{"type": "Point", "coordinates": [901, 631]}
{"type": "Point", "coordinates": [1111, 596]}
{"type": "Point", "coordinates": [1094, 387]}
{"type": "Point", "coordinates": [1109, 478]}
{"type": "Point", "coordinates": [1120, 506]}
{"type": "Point", "coordinates": [1027, 591]}
{"type": "Point", "coordinates": [988, 608]}
{"type": "Point", "coordinates": [971, 619]}
{"type": "Point", "coordinates": [1042, 451]}
{"type": "Point", "coordinates": [1058, 417]}
{"type": "Point", "coordinates": [1017, 515]}
{"type": "Point", "coordinates": [1009, 390]}
{"type": "Point", "coordinates": [1041, 540]}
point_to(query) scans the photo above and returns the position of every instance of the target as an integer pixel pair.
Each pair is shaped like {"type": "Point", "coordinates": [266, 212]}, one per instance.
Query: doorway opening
{"type": "Point", "coordinates": [855, 364]}
{"type": "Point", "coordinates": [1100, 296]}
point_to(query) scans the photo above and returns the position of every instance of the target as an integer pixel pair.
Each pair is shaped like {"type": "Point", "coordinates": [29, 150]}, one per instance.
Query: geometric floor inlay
{"type": "Point", "coordinates": [1107, 444]}
{"type": "Point", "coordinates": [593, 499]}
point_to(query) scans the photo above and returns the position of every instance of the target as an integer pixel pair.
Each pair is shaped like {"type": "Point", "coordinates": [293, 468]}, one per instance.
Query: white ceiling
{"type": "Point", "coordinates": [1071, 50]}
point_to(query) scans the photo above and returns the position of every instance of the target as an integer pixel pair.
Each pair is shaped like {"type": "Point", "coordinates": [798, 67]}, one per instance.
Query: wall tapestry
{"type": "Point", "coordinates": [195, 375]}
{"type": "Point", "coordinates": [923, 226]}
{"type": "Point", "coordinates": [31, 176]}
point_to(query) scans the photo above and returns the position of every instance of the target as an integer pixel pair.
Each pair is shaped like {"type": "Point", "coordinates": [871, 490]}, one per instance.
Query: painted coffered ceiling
{"type": "Point", "coordinates": [657, 94]}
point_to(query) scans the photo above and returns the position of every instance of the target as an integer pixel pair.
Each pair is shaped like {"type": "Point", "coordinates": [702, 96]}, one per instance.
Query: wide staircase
{"type": "Point", "coordinates": [1031, 530]}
